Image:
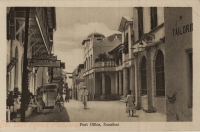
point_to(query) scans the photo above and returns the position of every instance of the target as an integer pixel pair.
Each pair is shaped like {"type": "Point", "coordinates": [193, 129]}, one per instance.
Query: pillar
{"type": "Point", "coordinates": [149, 80]}
{"type": "Point", "coordinates": [116, 83]}
{"type": "Point", "coordinates": [125, 82]}
{"type": "Point", "coordinates": [103, 83]}
{"type": "Point", "coordinates": [94, 83]}
{"type": "Point", "coordinates": [137, 88]}
{"type": "Point", "coordinates": [132, 80]}
{"type": "Point", "coordinates": [120, 83]}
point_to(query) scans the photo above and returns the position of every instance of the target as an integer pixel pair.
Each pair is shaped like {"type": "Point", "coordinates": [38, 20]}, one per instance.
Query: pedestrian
{"type": "Point", "coordinates": [84, 95]}
{"type": "Point", "coordinates": [58, 99]}
{"type": "Point", "coordinates": [64, 96]}
{"type": "Point", "coordinates": [67, 95]}
{"type": "Point", "coordinates": [130, 104]}
{"type": "Point", "coordinates": [40, 103]}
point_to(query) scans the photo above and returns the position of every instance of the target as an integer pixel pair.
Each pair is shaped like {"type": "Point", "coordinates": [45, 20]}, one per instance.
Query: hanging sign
{"type": "Point", "coordinates": [11, 64]}
{"type": "Point", "coordinates": [45, 63]}
{"type": "Point", "coordinates": [44, 57]}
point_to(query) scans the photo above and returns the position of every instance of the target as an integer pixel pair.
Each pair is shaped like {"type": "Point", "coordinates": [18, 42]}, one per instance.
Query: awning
{"type": "Point", "coordinates": [52, 87]}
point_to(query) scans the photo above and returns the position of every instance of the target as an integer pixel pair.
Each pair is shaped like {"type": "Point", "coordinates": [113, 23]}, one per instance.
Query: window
{"type": "Point", "coordinates": [140, 22]}
{"type": "Point", "coordinates": [91, 61]}
{"type": "Point", "coordinates": [190, 89]}
{"type": "Point", "coordinates": [153, 14]}
{"type": "Point", "coordinates": [143, 77]}
{"type": "Point", "coordinates": [125, 48]}
{"type": "Point", "coordinates": [160, 74]}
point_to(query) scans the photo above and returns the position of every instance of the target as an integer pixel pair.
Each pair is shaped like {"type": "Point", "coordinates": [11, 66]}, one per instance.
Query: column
{"type": "Point", "coordinates": [149, 79]}
{"type": "Point", "coordinates": [116, 83]}
{"type": "Point", "coordinates": [94, 85]}
{"type": "Point", "coordinates": [132, 80]}
{"type": "Point", "coordinates": [120, 83]}
{"type": "Point", "coordinates": [103, 83]}
{"type": "Point", "coordinates": [137, 89]}
{"type": "Point", "coordinates": [125, 82]}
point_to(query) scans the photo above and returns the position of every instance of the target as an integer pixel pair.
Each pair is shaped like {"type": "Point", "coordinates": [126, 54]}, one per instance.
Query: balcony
{"type": "Point", "coordinates": [105, 66]}
{"type": "Point", "coordinates": [41, 25]}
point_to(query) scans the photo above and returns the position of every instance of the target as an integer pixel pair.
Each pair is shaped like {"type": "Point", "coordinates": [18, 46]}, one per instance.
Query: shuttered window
{"type": "Point", "coordinates": [154, 20]}
{"type": "Point", "coordinates": [160, 74]}
{"type": "Point", "coordinates": [140, 21]}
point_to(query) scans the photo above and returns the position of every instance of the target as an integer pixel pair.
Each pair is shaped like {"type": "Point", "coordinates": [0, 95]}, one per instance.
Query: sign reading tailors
{"type": "Point", "coordinates": [44, 63]}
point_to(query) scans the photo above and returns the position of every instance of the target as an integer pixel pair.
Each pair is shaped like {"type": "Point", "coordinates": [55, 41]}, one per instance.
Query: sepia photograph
{"type": "Point", "coordinates": [98, 66]}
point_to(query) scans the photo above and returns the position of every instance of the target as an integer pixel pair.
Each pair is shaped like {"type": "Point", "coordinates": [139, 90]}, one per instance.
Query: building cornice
{"type": "Point", "coordinates": [152, 31]}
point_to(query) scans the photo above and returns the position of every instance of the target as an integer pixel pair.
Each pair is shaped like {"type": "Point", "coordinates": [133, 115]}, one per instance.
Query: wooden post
{"type": "Point", "coordinates": [25, 63]}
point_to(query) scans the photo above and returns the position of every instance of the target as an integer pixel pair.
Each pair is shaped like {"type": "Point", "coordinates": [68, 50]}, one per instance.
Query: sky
{"type": "Point", "coordinates": [74, 24]}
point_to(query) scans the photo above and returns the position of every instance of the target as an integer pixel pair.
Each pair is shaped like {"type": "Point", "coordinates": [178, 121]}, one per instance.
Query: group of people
{"type": "Point", "coordinates": [130, 102]}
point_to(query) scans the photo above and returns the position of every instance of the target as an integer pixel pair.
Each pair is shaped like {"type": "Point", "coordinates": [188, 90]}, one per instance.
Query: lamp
{"type": "Point", "coordinates": [141, 47]}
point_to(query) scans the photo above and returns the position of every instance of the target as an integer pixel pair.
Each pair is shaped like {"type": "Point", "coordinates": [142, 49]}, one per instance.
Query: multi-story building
{"type": "Point", "coordinates": [178, 63]}
{"type": "Point", "coordinates": [99, 67]}
{"type": "Point", "coordinates": [154, 46]}
{"type": "Point", "coordinates": [148, 53]}
{"type": "Point", "coordinates": [42, 24]}
{"type": "Point", "coordinates": [78, 82]}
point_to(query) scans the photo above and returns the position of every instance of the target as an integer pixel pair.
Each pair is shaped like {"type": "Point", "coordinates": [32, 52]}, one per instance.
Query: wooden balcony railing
{"type": "Point", "coordinates": [105, 64]}
{"type": "Point", "coordinates": [42, 18]}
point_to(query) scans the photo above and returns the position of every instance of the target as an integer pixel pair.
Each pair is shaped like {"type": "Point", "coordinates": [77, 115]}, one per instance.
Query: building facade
{"type": "Point", "coordinates": [42, 24]}
{"type": "Point", "coordinates": [179, 63]}
{"type": "Point", "coordinates": [78, 82]}
{"type": "Point", "coordinates": [99, 67]}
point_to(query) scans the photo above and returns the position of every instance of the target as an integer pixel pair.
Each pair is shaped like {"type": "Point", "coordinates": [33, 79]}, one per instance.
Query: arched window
{"type": "Point", "coordinates": [125, 48]}
{"type": "Point", "coordinates": [91, 62]}
{"type": "Point", "coordinates": [143, 77]}
{"type": "Point", "coordinates": [86, 64]}
{"type": "Point", "coordinates": [160, 74]}
{"type": "Point", "coordinates": [16, 69]}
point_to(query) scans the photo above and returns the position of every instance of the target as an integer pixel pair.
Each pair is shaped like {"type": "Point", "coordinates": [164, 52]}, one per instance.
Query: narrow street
{"type": "Point", "coordinates": [98, 111]}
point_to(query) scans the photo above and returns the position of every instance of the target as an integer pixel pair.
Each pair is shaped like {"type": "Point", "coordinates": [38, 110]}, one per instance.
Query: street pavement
{"type": "Point", "coordinates": [108, 111]}
{"type": "Point", "coordinates": [53, 116]}
{"type": "Point", "coordinates": [97, 111]}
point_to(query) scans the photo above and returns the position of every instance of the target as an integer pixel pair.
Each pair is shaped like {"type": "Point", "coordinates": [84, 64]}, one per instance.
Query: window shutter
{"type": "Point", "coordinates": [8, 27]}
{"type": "Point", "coordinates": [12, 24]}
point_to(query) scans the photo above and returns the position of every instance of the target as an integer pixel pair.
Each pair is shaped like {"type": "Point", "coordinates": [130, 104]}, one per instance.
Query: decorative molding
{"type": "Point", "coordinates": [152, 31]}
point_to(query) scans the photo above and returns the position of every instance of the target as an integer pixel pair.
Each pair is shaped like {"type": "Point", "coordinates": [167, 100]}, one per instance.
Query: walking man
{"type": "Point", "coordinates": [84, 95]}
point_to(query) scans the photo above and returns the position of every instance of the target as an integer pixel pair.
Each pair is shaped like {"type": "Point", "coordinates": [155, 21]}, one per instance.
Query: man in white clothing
{"type": "Point", "coordinates": [84, 95]}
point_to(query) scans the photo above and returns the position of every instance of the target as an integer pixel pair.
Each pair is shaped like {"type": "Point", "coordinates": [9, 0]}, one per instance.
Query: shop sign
{"type": "Point", "coordinates": [44, 63]}
{"type": "Point", "coordinates": [11, 64]}
{"type": "Point", "coordinates": [44, 57]}
{"type": "Point", "coordinates": [182, 30]}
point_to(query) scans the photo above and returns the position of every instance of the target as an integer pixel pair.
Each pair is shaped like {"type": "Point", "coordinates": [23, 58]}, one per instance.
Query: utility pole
{"type": "Point", "coordinates": [25, 63]}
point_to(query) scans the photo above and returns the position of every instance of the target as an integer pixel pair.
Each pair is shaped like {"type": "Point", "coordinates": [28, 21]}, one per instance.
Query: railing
{"type": "Point", "coordinates": [105, 64]}
{"type": "Point", "coordinates": [42, 18]}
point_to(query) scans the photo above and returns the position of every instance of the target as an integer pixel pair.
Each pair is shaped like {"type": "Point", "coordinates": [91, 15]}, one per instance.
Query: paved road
{"type": "Point", "coordinates": [108, 111]}
{"type": "Point", "coordinates": [98, 111]}
{"type": "Point", "coordinates": [54, 116]}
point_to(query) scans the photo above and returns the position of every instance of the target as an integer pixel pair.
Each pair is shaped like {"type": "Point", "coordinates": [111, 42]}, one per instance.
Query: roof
{"type": "Point", "coordinates": [50, 87]}
{"type": "Point", "coordinates": [116, 49]}
{"type": "Point", "coordinates": [128, 18]}
{"type": "Point", "coordinates": [96, 35]}
{"type": "Point", "coordinates": [116, 35]}
{"type": "Point", "coordinates": [125, 20]}
{"type": "Point", "coordinates": [85, 40]}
